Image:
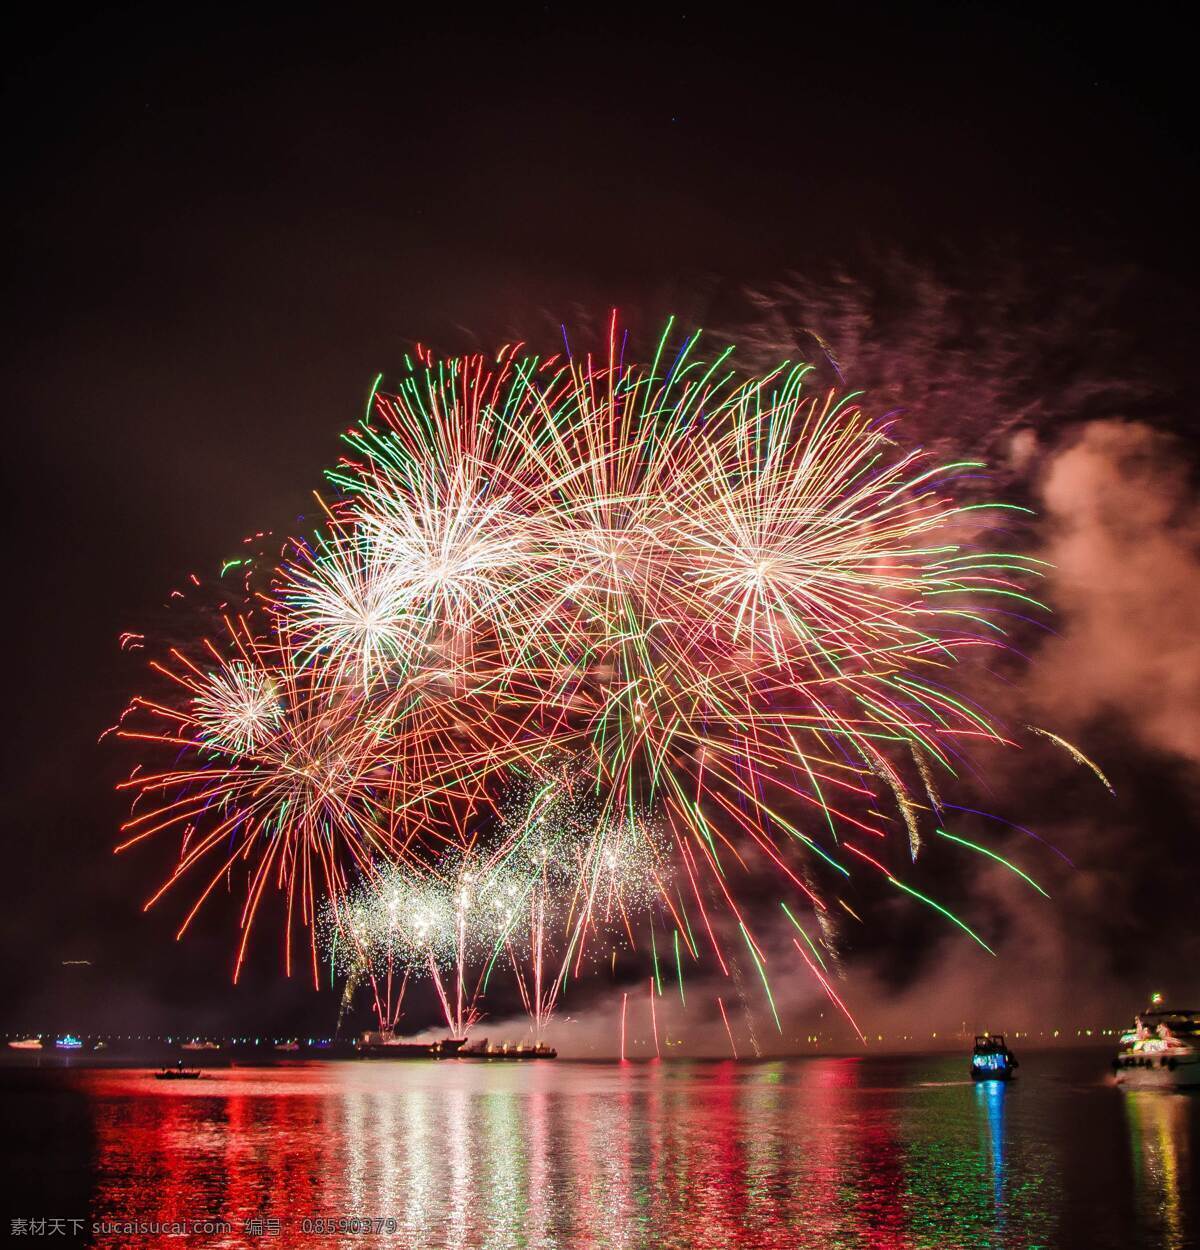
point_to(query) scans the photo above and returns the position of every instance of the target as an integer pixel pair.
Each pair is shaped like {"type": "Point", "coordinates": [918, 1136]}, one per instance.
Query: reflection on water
{"type": "Point", "coordinates": [989, 1102]}
{"type": "Point", "coordinates": [829, 1153]}
{"type": "Point", "coordinates": [1159, 1136]}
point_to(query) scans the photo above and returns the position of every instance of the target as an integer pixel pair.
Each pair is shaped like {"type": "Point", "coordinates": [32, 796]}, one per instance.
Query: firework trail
{"type": "Point", "coordinates": [728, 1030]}
{"type": "Point", "coordinates": [1075, 753]}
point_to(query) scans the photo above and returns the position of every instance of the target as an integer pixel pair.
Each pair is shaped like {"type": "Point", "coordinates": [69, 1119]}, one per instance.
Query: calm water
{"type": "Point", "coordinates": [816, 1152]}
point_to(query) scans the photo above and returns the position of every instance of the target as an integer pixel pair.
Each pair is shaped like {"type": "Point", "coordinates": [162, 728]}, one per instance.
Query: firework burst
{"type": "Point", "coordinates": [733, 607]}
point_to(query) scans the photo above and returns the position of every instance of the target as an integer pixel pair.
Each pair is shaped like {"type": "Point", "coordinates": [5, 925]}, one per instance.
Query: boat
{"type": "Point", "coordinates": [198, 1045]}
{"type": "Point", "coordinates": [68, 1042]}
{"type": "Point", "coordinates": [483, 1050]}
{"type": "Point", "coordinates": [26, 1043]}
{"type": "Point", "coordinates": [385, 1045]}
{"type": "Point", "coordinates": [178, 1073]}
{"type": "Point", "coordinates": [290, 1047]}
{"type": "Point", "coordinates": [991, 1059]}
{"type": "Point", "coordinates": [1161, 1051]}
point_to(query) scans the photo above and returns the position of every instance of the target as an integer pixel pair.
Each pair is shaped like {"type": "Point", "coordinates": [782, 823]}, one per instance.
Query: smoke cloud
{"type": "Point", "coordinates": [1124, 536]}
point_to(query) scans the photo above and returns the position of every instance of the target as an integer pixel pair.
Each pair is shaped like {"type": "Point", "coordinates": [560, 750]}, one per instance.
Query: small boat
{"type": "Point", "coordinates": [178, 1073]}
{"type": "Point", "coordinates": [991, 1059]}
{"type": "Point", "coordinates": [68, 1042]}
{"type": "Point", "coordinates": [27, 1043]}
{"type": "Point", "coordinates": [290, 1047]}
{"type": "Point", "coordinates": [198, 1045]}
{"type": "Point", "coordinates": [1161, 1051]}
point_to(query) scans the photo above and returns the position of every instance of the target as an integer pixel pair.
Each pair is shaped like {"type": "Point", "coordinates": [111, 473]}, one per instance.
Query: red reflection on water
{"type": "Point", "coordinates": [235, 1148]}
{"type": "Point", "coordinates": [539, 1155]}
{"type": "Point", "coordinates": [712, 1155]}
{"type": "Point", "coordinates": [883, 1207]}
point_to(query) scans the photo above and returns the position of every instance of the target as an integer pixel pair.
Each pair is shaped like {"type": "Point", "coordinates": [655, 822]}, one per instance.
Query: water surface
{"type": "Point", "coordinates": [866, 1152]}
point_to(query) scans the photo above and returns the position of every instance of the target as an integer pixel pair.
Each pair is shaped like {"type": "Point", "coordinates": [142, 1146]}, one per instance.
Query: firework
{"type": "Point", "coordinates": [584, 873]}
{"type": "Point", "coordinates": [343, 599]}
{"type": "Point", "coordinates": [268, 775]}
{"type": "Point", "coordinates": [574, 642]}
{"type": "Point", "coordinates": [237, 707]}
{"type": "Point", "coordinates": [443, 922]}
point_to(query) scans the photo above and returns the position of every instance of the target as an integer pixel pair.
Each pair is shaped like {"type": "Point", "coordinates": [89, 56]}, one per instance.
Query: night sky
{"type": "Point", "coordinates": [220, 230]}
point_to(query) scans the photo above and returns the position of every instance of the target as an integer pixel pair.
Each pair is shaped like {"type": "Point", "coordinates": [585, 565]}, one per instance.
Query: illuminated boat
{"type": "Point", "coordinates": [385, 1045]}
{"type": "Point", "coordinates": [483, 1050]}
{"type": "Point", "coordinates": [1161, 1051]}
{"type": "Point", "coordinates": [68, 1042]}
{"type": "Point", "coordinates": [27, 1043]}
{"type": "Point", "coordinates": [991, 1059]}
{"type": "Point", "coordinates": [195, 1044]}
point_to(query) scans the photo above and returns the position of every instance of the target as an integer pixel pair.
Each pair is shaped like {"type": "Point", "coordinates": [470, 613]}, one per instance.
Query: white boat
{"type": "Point", "coordinates": [1161, 1051]}
{"type": "Point", "coordinates": [27, 1043]}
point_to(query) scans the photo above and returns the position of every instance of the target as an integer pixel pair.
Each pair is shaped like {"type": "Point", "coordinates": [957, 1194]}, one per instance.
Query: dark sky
{"type": "Point", "coordinates": [220, 229]}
